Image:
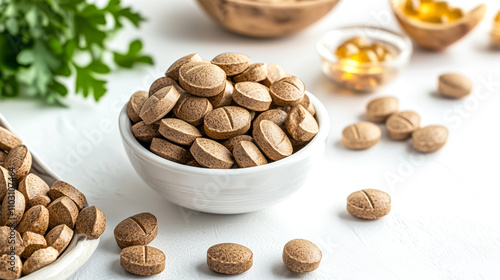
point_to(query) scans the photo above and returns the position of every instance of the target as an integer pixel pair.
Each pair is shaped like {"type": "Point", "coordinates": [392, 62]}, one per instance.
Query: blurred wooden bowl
{"type": "Point", "coordinates": [266, 19]}
{"type": "Point", "coordinates": [437, 36]}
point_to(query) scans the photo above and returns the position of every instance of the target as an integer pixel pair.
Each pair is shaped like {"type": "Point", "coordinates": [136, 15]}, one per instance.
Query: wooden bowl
{"type": "Point", "coordinates": [437, 36]}
{"type": "Point", "coordinates": [266, 19]}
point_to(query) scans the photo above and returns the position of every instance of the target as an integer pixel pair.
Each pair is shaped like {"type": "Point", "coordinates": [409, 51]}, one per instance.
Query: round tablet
{"type": "Point", "coordinates": [288, 91]}
{"type": "Point", "coordinates": [232, 63]}
{"type": "Point", "coordinates": [227, 122]}
{"type": "Point", "coordinates": [179, 131]}
{"type": "Point", "coordinates": [229, 258]}
{"type": "Point", "coordinates": [272, 140]}
{"type": "Point", "coordinates": [211, 154]}
{"type": "Point", "coordinates": [202, 79]}
{"type": "Point", "coordinates": [301, 256]}
{"type": "Point", "coordinates": [252, 96]}
{"type": "Point", "coordinates": [360, 136]}
{"type": "Point", "coordinates": [142, 260]}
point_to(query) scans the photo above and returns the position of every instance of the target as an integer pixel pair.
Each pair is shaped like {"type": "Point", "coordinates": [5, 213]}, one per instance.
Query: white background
{"type": "Point", "coordinates": [444, 223]}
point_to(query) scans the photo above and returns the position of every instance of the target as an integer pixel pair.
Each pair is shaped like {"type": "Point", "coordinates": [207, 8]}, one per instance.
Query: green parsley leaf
{"type": "Point", "coordinates": [133, 56]}
{"type": "Point", "coordinates": [119, 13]}
{"type": "Point", "coordinates": [41, 39]}
{"type": "Point", "coordinates": [87, 83]}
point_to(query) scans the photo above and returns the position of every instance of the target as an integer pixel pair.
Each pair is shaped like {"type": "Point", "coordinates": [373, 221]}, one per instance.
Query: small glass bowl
{"type": "Point", "coordinates": [363, 76]}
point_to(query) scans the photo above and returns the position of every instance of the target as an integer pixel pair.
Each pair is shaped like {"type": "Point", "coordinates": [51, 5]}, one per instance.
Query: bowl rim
{"type": "Point", "coordinates": [400, 59]}
{"type": "Point", "coordinates": [128, 138]}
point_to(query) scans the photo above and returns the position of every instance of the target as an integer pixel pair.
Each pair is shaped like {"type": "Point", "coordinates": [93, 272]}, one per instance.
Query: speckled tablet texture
{"type": "Point", "coordinates": [13, 207]}
{"type": "Point", "coordinates": [192, 109]}
{"type": "Point", "coordinates": [232, 63]}
{"type": "Point", "coordinates": [306, 103]}
{"type": "Point", "coordinates": [430, 138]}
{"type": "Point", "coordinates": [379, 109]}
{"type": "Point", "coordinates": [252, 96]}
{"type": "Point", "coordinates": [4, 182]}
{"type": "Point", "coordinates": [7, 241]}
{"type": "Point", "coordinates": [274, 73]}
{"type": "Point", "coordinates": [369, 204]}
{"type": "Point", "coordinates": [401, 125]}
{"type": "Point", "coordinates": [229, 258]}
{"type": "Point", "coordinates": [60, 188]}
{"type": "Point", "coordinates": [18, 158]}
{"type": "Point", "coordinates": [361, 135]}
{"type": "Point", "coordinates": [40, 200]}
{"type": "Point", "coordinates": [202, 79]}
{"type": "Point", "coordinates": [142, 260]}
{"type": "Point", "coordinates": [226, 122]}
{"type": "Point", "coordinates": [32, 242]}
{"type": "Point", "coordinates": [301, 256]}
{"type": "Point", "coordinates": [3, 155]}
{"type": "Point", "coordinates": [194, 163]}
{"type": "Point", "coordinates": [224, 98]}
{"type": "Point", "coordinates": [91, 221]}
{"type": "Point", "coordinates": [297, 145]}
{"type": "Point", "coordinates": [135, 104]}
{"type": "Point", "coordinates": [179, 131]}
{"type": "Point", "coordinates": [247, 154]}
{"type": "Point", "coordinates": [35, 220]}
{"type": "Point", "coordinates": [11, 267]}
{"type": "Point", "coordinates": [164, 82]}
{"type": "Point", "coordinates": [8, 140]}
{"type": "Point", "coordinates": [62, 211]}
{"type": "Point", "coordinates": [59, 237]}
{"type": "Point", "coordinates": [230, 143]}
{"type": "Point", "coordinates": [301, 125]}
{"type": "Point", "coordinates": [159, 104]}
{"type": "Point", "coordinates": [32, 187]}
{"type": "Point", "coordinates": [139, 229]}
{"type": "Point", "coordinates": [272, 140]}
{"type": "Point", "coordinates": [211, 154]}
{"type": "Point", "coordinates": [40, 259]}
{"type": "Point", "coordinates": [9, 271]}
{"type": "Point", "coordinates": [170, 151]}
{"type": "Point", "coordinates": [288, 91]}
{"type": "Point", "coordinates": [254, 73]}
{"type": "Point", "coordinates": [286, 109]}
{"type": "Point", "coordinates": [146, 132]}
{"type": "Point", "coordinates": [173, 70]}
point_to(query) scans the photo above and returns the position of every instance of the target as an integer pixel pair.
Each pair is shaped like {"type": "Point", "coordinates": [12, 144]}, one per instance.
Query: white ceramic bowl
{"type": "Point", "coordinates": [78, 251]}
{"type": "Point", "coordinates": [226, 191]}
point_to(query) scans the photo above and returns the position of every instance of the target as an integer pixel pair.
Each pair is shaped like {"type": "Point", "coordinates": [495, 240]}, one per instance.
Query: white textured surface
{"type": "Point", "coordinates": [445, 219]}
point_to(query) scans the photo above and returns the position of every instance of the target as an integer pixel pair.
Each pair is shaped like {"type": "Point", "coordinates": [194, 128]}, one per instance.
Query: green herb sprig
{"type": "Point", "coordinates": [41, 40]}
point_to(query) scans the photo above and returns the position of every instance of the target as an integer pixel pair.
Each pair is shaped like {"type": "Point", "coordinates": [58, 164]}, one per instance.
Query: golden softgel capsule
{"type": "Point", "coordinates": [361, 50]}
{"type": "Point", "coordinates": [359, 60]}
{"type": "Point", "coordinates": [432, 11]}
